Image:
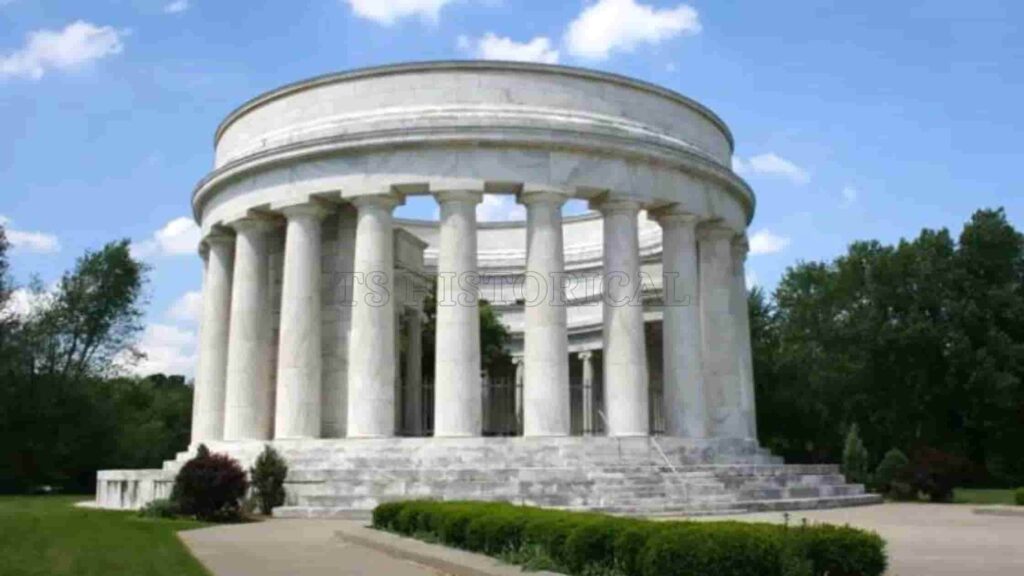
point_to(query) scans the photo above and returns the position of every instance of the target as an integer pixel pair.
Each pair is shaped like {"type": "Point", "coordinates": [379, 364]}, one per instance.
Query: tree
{"type": "Point", "coordinates": [267, 476]}
{"type": "Point", "coordinates": [855, 457]}
{"type": "Point", "coordinates": [94, 316]}
{"type": "Point", "coordinates": [921, 342]}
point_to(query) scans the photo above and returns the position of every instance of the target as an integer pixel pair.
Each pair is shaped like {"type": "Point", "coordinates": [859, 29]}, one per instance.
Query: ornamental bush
{"type": "Point", "coordinates": [159, 508]}
{"type": "Point", "coordinates": [587, 544]}
{"type": "Point", "coordinates": [855, 457]}
{"type": "Point", "coordinates": [891, 471]}
{"type": "Point", "coordinates": [1018, 496]}
{"type": "Point", "coordinates": [936, 473]}
{"type": "Point", "coordinates": [210, 487]}
{"type": "Point", "coordinates": [268, 474]}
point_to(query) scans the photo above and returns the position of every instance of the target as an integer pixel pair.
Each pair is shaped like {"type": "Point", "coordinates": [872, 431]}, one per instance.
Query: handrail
{"type": "Point", "coordinates": [668, 462]}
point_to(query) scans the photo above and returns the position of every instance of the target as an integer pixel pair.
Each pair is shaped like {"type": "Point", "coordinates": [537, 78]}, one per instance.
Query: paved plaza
{"type": "Point", "coordinates": [923, 540]}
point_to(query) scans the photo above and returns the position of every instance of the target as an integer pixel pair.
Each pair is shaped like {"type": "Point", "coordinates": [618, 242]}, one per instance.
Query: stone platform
{"type": "Point", "coordinates": [641, 476]}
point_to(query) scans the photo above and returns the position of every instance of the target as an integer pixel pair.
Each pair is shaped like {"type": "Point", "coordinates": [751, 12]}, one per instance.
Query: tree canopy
{"type": "Point", "coordinates": [921, 344]}
{"type": "Point", "coordinates": [67, 407]}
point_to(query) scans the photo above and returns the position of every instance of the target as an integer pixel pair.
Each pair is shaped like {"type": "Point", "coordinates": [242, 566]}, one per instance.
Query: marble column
{"type": "Point", "coordinates": [587, 358]}
{"type": "Point", "coordinates": [458, 409]}
{"type": "Point", "coordinates": [299, 363]}
{"type": "Point", "coordinates": [414, 373]}
{"type": "Point", "coordinates": [718, 350]}
{"type": "Point", "coordinates": [625, 356]}
{"type": "Point", "coordinates": [520, 374]}
{"type": "Point", "coordinates": [546, 409]}
{"type": "Point", "coordinates": [371, 352]}
{"type": "Point", "coordinates": [683, 382]}
{"type": "Point", "coordinates": [249, 402]}
{"type": "Point", "coordinates": [208, 409]}
{"type": "Point", "coordinates": [744, 353]}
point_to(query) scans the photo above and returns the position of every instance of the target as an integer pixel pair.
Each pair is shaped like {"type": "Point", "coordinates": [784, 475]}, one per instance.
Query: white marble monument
{"type": "Point", "coordinates": [630, 332]}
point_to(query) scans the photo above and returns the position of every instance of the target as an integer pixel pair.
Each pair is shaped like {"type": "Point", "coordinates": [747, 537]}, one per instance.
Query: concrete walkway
{"type": "Point", "coordinates": [924, 540]}
{"type": "Point", "coordinates": [933, 539]}
{"type": "Point", "coordinates": [292, 548]}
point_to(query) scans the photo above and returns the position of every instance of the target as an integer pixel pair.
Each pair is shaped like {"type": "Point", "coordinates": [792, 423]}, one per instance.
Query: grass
{"type": "Point", "coordinates": [47, 535]}
{"type": "Point", "coordinates": [982, 496]}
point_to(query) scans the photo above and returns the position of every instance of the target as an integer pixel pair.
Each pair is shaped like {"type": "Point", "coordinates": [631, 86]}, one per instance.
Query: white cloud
{"type": "Point", "coordinates": [771, 164]}
{"type": "Point", "coordinates": [620, 25]}
{"type": "Point", "coordinates": [176, 7]}
{"type": "Point", "coordinates": [187, 308]}
{"type": "Point", "coordinates": [767, 242]}
{"type": "Point", "coordinates": [25, 302]}
{"type": "Point", "coordinates": [499, 208]}
{"type": "Point", "coordinates": [849, 194]}
{"type": "Point", "coordinates": [386, 12]}
{"type": "Point", "coordinates": [73, 47]}
{"type": "Point", "coordinates": [168, 349]}
{"type": "Point", "coordinates": [179, 236]}
{"type": "Point", "coordinates": [492, 47]}
{"type": "Point", "coordinates": [29, 241]}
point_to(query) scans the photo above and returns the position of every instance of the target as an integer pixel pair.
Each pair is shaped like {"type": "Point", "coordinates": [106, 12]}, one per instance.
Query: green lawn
{"type": "Point", "coordinates": [47, 535]}
{"type": "Point", "coordinates": [982, 496]}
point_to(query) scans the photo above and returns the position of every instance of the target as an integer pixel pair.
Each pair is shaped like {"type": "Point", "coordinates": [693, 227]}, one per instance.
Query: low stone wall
{"type": "Point", "coordinates": [132, 489]}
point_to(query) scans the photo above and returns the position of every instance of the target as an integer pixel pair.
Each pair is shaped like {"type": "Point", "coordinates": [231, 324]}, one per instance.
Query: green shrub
{"type": "Point", "coordinates": [891, 470]}
{"type": "Point", "coordinates": [593, 544]}
{"type": "Point", "coordinates": [721, 549]}
{"type": "Point", "coordinates": [267, 475]}
{"type": "Point", "coordinates": [161, 508]}
{"type": "Point", "coordinates": [210, 487]}
{"type": "Point", "coordinates": [855, 457]}
{"type": "Point", "coordinates": [1018, 496]}
{"type": "Point", "coordinates": [841, 550]}
{"type": "Point", "coordinates": [629, 544]}
{"type": "Point", "coordinates": [452, 529]}
{"type": "Point", "coordinates": [384, 513]}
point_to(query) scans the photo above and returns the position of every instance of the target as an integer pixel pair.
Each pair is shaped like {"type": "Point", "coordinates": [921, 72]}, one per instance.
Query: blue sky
{"type": "Point", "coordinates": [853, 120]}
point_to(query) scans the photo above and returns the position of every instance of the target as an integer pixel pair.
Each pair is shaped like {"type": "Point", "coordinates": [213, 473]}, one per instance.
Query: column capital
{"type": "Point", "coordinates": [715, 230]}
{"type": "Point", "coordinates": [387, 200]}
{"type": "Point", "coordinates": [614, 203]}
{"type": "Point", "coordinates": [304, 210]}
{"type": "Point", "coordinates": [471, 196]}
{"type": "Point", "coordinates": [218, 237]}
{"type": "Point", "coordinates": [529, 197]}
{"type": "Point", "coordinates": [251, 223]}
{"type": "Point", "coordinates": [674, 216]}
{"type": "Point", "coordinates": [585, 355]}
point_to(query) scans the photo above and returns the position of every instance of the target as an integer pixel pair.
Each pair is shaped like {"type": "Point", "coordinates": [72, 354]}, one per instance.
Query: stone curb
{"type": "Point", "coordinates": [1017, 511]}
{"type": "Point", "coordinates": [447, 560]}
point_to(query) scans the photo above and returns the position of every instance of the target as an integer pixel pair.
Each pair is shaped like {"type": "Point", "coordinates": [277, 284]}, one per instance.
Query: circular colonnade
{"type": "Point", "coordinates": [311, 285]}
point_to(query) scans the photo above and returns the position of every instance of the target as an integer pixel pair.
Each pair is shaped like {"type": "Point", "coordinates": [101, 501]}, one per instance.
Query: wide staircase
{"type": "Point", "coordinates": [629, 476]}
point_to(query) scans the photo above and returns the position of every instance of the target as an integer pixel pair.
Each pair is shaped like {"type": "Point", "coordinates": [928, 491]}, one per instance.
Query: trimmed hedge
{"type": "Point", "coordinates": [587, 543]}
